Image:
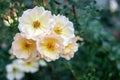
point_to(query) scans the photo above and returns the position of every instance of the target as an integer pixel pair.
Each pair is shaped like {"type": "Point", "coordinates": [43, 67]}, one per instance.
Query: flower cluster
{"type": "Point", "coordinates": [45, 35]}
{"type": "Point", "coordinates": [18, 72]}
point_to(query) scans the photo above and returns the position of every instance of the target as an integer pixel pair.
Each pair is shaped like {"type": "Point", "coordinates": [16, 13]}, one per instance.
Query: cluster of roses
{"type": "Point", "coordinates": [15, 72]}
{"type": "Point", "coordinates": [45, 35]}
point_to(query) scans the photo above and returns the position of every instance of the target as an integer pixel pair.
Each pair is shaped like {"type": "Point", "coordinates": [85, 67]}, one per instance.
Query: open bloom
{"type": "Point", "coordinates": [50, 47]}
{"type": "Point", "coordinates": [64, 28]}
{"type": "Point", "coordinates": [23, 48]}
{"type": "Point", "coordinates": [28, 66]}
{"type": "Point", "coordinates": [70, 49]}
{"type": "Point", "coordinates": [13, 72]}
{"type": "Point", "coordinates": [34, 22]}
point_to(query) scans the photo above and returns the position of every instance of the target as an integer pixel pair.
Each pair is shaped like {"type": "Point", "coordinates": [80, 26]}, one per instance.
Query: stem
{"type": "Point", "coordinates": [70, 68]}
{"type": "Point", "coordinates": [74, 12]}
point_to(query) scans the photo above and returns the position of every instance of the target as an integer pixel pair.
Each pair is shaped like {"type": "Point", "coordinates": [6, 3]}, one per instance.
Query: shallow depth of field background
{"type": "Point", "coordinates": [98, 57]}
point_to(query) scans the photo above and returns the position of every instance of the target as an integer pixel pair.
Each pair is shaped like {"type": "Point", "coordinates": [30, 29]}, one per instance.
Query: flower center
{"type": "Point", "coordinates": [28, 44]}
{"type": "Point", "coordinates": [14, 70]}
{"type": "Point", "coordinates": [57, 30]}
{"type": "Point", "coordinates": [28, 63]}
{"type": "Point", "coordinates": [50, 46]}
{"type": "Point", "coordinates": [36, 24]}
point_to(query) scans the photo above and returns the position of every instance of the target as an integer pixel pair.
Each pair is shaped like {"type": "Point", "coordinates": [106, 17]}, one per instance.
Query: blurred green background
{"type": "Point", "coordinates": [96, 21]}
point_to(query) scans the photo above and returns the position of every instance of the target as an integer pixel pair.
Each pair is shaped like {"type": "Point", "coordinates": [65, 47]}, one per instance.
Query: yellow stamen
{"type": "Point", "coordinates": [36, 24]}
{"type": "Point", "coordinates": [50, 46]}
{"type": "Point", "coordinates": [28, 44]}
{"type": "Point", "coordinates": [57, 30]}
{"type": "Point", "coordinates": [14, 69]}
{"type": "Point", "coordinates": [28, 63]}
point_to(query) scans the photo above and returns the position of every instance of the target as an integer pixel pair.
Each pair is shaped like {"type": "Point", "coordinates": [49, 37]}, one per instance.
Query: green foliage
{"type": "Point", "coordinates": [98, 57]}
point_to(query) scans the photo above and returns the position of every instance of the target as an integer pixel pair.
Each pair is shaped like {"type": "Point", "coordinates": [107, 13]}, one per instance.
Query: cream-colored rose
{"type": "Point", "coordinates": [50, 47]}
{"type": "Point", "coordinates": [28, 66]}
{"type": "Point", "coordinates": [24, 48]}
{"type": "Point", "coordinates": [64, 28]}
{"type": "Point", "coordinates": [35, 22]}
{"type": "Point", "coordinates": [70, 49]}
{"type": "Point", "coordinates": [13, 72]}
